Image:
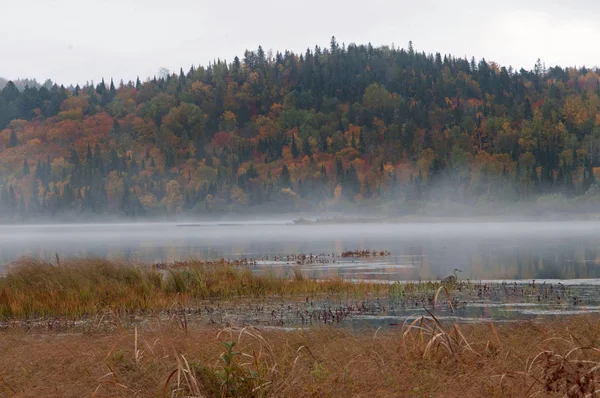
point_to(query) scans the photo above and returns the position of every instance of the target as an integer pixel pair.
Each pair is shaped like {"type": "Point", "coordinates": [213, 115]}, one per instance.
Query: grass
{"type": "Point", "coordinates": [75, 289]}
{"type": "Point", "coordinates": [168, 357]}
{"type": "Point", "coordinates": [80, 289]}
{"type": "Point", "coordinates": [422, 359]}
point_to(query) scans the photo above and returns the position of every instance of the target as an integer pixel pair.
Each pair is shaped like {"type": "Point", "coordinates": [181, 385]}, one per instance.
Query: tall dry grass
{"type": "Point", "coordinates": [79, 288]}
{"type": "Point", "coordinates": [421, 359]}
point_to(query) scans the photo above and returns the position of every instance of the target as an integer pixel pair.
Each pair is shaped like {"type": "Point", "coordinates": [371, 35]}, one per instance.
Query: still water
{"type": "Point", "coordinates": [419, 251]}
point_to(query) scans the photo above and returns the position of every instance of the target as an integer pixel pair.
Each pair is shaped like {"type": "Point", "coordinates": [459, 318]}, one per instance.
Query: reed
{"type": "Point", "coordinates": [423, 358]}
{"type": "Point", "coordinates": [79, 288]}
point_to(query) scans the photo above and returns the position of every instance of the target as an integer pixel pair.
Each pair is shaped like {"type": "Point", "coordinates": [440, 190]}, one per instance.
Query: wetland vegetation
{"type": "Point", "coordinates": [260, 327]}
{"type": "Point", "coordinates": [268, 309]}
{"type": "Point", "coordinates": [101, 328]}
{"type": "Point", "coordinates": [76, 290]}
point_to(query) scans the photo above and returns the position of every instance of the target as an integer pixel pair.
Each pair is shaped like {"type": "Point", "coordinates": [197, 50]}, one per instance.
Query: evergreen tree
{"type": "Point", "coordinates": [12, 199]}
{"type": "Point", "coordinates": [169, 159]}
{"type": "Point", "coordinates": [130, 204]}
{"type": "Point", "coordinates": [12, 141]}
{"type": "Point", "coordinates": [294, 148]}
{"type": "Point", "coordinates": [306, 147]}
{"type": "Point", "coordinates": [252, 173]}
{"type": "Point", "coordinates": [339, 167]}
{"type": "Point", "coordinates": [101, 88]}
{"type": "Point", "coordinates": [351, 184]}
{"type": "Point", "coordinates": [284, 177]}
{"type": "Point", "coordinates": [34, 204]}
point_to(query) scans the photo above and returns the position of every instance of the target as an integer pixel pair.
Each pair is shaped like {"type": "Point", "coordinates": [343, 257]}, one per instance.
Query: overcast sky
{"type": "Point", "coordinates": [74, 41]}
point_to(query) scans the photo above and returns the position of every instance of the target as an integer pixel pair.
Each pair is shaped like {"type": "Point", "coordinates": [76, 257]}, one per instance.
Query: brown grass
{"type": "Point", "coordinates": [550, 358]}
{"type": "Point", "coordinates": [170, 358]}
{"type": "Point", "coordinates": [81, 288]}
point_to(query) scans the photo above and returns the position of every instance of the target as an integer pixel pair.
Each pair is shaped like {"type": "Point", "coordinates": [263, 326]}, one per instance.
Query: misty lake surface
{"type": "Point", "coordinates": [419, 250]}
{"type": "Point", "coordinates": [506, 253]}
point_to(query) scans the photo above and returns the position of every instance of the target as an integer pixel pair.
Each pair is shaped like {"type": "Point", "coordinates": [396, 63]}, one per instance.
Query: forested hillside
{"type": "Point", "coordinates": [329, 129]}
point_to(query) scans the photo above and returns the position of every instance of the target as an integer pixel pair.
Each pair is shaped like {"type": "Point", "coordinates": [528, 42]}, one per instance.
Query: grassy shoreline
{"type": "Point", "coordinates": [174, 357]}
{"type": "Point", "coordinates": [83, 288]}
{"type": "Point", "coordinates": [86, 289]}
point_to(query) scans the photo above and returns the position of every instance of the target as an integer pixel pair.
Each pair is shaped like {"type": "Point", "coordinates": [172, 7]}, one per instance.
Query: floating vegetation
{"type": "Point", "coordinates": [365, 253]}
{"type": "Point", "coordinates": [296, 258]}
{"type": "Point", "coordinates": [220, 262]}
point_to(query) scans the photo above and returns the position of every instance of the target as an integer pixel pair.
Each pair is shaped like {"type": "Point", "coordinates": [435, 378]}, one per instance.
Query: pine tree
{"type": "Point", "coordinates": [12, 141]}
{"type": "Point", "coordinates": [25, 167]}
{"type": "Point", "coordinates": [323, 143]}
{"type": "Point", "coordinates": [252, 173]}
{"type": "Point", "coordinates": [294, 148]}
{"type": "Point", "coordinates": [169, 159]}
{"type": "Point", "coordinates": [339, 171]}
{"type": "Point", "coordinates": [130, 204]}
{"type": "Point", "coordinates": [351, 184]}
{"type": "Point", "coordinates": [12, 199]}
{"type": "Point", "coordinates": [306, 147]}
{"type": "Point", "coordinates": [101, 88]}
{"type": "Point", "coordinates": [284, 177]}
{"type": "Point", "coordinates": [527, 114]}
{"type": "Point", "coordinates": [34, 203]}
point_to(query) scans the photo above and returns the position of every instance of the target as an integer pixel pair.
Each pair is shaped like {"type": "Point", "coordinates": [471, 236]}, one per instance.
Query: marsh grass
{"type": "Point", "coordinates": [79, 288]}
{"type": "Point", "coordinates": [428, 335]}
{"type": "Point", "coordinates": [171, 358]}
{"type": "Point", "coordinates": [423, 358]}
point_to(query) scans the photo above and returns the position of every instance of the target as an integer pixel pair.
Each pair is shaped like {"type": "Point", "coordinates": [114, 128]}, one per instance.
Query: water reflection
{"type": "Point", "coordinates": [418, 251]}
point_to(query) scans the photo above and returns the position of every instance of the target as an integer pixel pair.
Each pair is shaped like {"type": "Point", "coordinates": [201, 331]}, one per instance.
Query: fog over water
{"type": "Point", "coordinates": [419, 250]}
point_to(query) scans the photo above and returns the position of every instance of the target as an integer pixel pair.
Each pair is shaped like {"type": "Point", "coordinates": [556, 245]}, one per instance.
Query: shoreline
{"type": "Point", "coordinates": [215, 329]}
{"type": "Point", "coordinates": [230, 292]}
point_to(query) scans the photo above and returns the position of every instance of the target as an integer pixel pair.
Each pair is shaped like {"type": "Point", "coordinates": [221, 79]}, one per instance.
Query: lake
{"type": "Point", "coordinates": [419, 251]}
{"type": "Point", "coordinates": [561, 256]}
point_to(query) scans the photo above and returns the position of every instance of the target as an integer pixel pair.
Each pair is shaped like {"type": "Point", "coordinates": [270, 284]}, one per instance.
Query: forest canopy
{"type": "Point", "coordinates": [329, 128]}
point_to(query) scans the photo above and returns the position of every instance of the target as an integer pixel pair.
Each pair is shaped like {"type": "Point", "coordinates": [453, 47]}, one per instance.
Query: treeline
{"type": "Point", "coordinates": [317, 130]}
{"type": "Point", "coordinates": [22, 84]}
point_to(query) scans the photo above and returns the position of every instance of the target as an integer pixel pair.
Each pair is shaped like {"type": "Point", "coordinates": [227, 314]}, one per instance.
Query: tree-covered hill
{"type": "Point", "coordinates": [326, 129]}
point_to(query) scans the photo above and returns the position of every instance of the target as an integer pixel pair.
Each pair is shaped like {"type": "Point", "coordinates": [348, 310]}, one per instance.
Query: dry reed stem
{"type": "Point", "coordinates": [531, 359]}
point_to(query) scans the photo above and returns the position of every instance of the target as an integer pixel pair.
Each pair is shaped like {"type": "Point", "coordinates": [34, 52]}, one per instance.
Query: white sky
{"type": "Point", "coordinates": [73, 41]}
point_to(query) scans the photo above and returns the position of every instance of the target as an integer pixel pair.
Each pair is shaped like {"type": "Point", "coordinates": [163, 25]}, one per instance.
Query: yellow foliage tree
{"type": "Point", "coordinates": [173, 198]}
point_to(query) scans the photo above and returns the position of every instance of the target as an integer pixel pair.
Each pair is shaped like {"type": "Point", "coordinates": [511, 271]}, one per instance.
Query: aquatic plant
{"type": "Point", "coordinates": [78, 288]}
